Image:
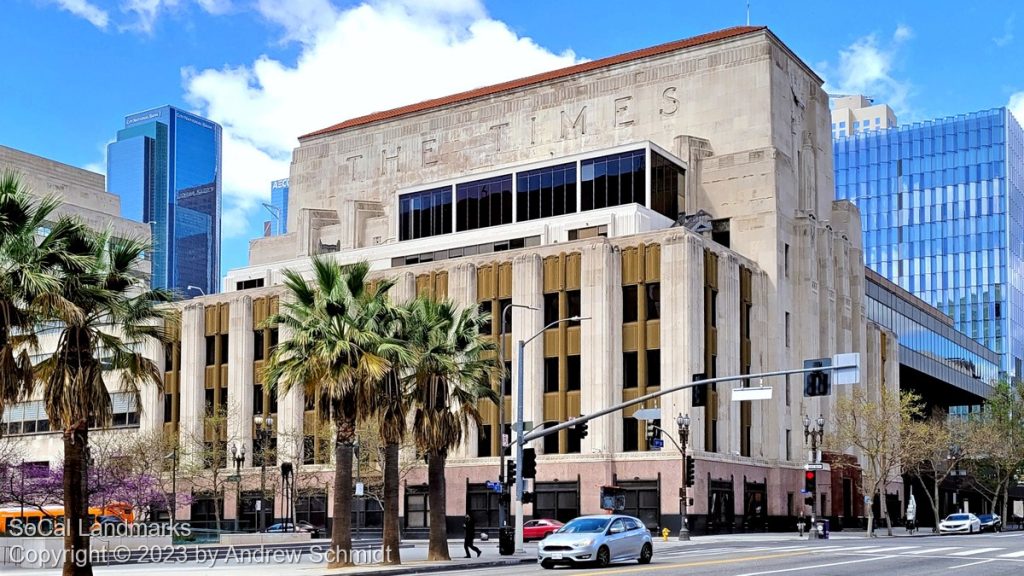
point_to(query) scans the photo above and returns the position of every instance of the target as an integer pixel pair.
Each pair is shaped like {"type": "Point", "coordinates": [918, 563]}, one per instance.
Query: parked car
{"type": "Point", "coordinates": [539, 529]}
{"type": "Point", "coordinates": [300, 526]}
{"type": "Point", "coordinates": [960, 523]}
{"type": "Point", "coordinates": [990, 522]}
{"type": "Point", "coordinates": [597, 539]}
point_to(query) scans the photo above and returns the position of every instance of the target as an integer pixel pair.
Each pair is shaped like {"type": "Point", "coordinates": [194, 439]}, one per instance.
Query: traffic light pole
{"type": "Point", "coordinates": [522, 439]}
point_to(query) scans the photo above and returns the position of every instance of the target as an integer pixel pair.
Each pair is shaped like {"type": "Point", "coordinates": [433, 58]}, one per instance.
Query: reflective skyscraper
{"type": "Point", "coordinates": [279, 207]}
{"type": "Point", "coordinates": [942, 209]}
{"type": "Point", "coordinates": [166, 167]}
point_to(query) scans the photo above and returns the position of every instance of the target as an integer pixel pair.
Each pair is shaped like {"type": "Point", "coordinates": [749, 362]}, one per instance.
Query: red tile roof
{"type": "Point", "coordinates": [538, 78]}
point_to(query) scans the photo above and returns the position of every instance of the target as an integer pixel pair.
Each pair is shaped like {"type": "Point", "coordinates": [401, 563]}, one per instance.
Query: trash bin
{"type": "Point", "coordinates": [507, 541]}
{"type": "Point", "coordinates": [824, 531]}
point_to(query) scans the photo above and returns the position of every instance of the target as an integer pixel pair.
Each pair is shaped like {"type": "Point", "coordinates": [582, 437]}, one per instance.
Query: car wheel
{"type": "Point", "coordinates": [546, 564]}
{"type": "Point", "coordinates": [604, 557]}
{"type": "Point", "coordinates": [645, 554]}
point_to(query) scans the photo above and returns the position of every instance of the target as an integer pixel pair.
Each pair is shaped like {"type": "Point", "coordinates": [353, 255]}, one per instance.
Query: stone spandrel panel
{"type": "Point", "coordinates": [713, 92]}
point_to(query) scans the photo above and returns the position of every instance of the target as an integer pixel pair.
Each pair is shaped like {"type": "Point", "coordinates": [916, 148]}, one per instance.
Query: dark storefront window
{"type": "Point", "coordinates": [312, 507]}
{"type": "Point", "coordinates": [483, 506]}
{"type": "Point", "coordinates": [613, 180]}
{"type": "Point", "coordinates": [546, 192]}
{"type": "Point", "coordinates": [416, 508]}
{"type": "Point", "coordinates": [484, 203]}
{"type": "Point", "coordinates": [666, 186]}
{"type": "Point", "coordinates": [558, 500]}
{"type": "Point", "coordinates": [426, 213]}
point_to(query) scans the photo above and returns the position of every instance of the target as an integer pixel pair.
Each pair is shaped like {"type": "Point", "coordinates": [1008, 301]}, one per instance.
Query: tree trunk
{"type": "Point", "coordinates": [341, 534]}
{"type": "Point", "coordinates": [438, 547]}
{"type": "Point", "coordinates": [76, 504]}
{"type": "Point", "coordinates": [935, 506]}
{"type": "Point", "coordinates": [885, 511]}
{"type": "Point", "coordinates": [1006, 499]}
{"type": "Point", "coordinates": [391, 539]}
{"type": "Point", "coordinates": [871, 516]}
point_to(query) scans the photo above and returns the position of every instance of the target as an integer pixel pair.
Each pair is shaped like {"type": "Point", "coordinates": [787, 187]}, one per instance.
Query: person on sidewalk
{"type": "Point", "coordinates": [470, 528]}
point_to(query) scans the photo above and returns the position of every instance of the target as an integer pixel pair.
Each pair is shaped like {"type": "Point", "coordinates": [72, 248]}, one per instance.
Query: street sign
{"type": "Point", "coordinates": [504, 439]}
{"type": "Point", "coordinates": [359, 488]}
{"type": "Point", "coordinates": [657, 443]}
{"type": "Point", "coordinates": [846, 375]}
{"type": "Point", "coordinates": [804, 491]}
{"type": "Point", "coordinates": [759, 393]}
{"type": "Point", "coordinates": [259, 505]}
{"type": "Point", "coordinates": [494, 486]}
{"type": "Point", "coordinates": [814, 466]}
{"type": "Point", "coordinates": [648, 414]}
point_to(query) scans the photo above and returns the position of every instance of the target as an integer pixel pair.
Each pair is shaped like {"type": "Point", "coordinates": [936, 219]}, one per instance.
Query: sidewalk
{"type": "Point", "coordinates": [414, 560]}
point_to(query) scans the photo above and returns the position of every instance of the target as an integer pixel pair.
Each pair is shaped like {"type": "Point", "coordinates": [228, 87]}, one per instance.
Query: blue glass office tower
{"type": "Point", "coordinates": [942, 209]}
{"type": "Point", "coordinates": [279, 207]}
{"type": "Point", "coordinates": [166, 167]}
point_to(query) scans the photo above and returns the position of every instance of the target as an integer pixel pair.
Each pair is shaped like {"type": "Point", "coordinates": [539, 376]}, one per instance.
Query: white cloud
{"type": "Point", "coordinates": [369, 57]}
{"type": "Point", "coordinates": [96, 16]}
{"type": "Point", "coordinates": [144, 13]}
{"type": "Point", "coordinates": [866, 67]}
{"type": "Point", "coordinates": [1016, 105]}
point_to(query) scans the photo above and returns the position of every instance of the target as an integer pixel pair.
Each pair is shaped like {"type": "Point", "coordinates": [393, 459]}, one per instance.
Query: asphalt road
{"type": "Point", "coordinates": [988, 555]}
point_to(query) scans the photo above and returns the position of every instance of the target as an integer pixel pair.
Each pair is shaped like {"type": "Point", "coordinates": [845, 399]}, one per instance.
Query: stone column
{"type": "Point", "coordinates": [728, 323]}
{"type": "Point", "coordinates": [528, 289]}
{"type": "Point", "coordinates": [601, 345]}
{"type": "Point", "coordinates": [766, 427]}
{"type": "Point", "coordinates": [240, 375]}
{"type": "Point", "coordinates": [291, 406]}
{"type": "Point", "coordinates": [192, 382]}
{"type": "Point", "coordinates": [151, 399]}
{"type": "Point", "coordinates": [462, 290]}
{"type": "Point", "coordinates": [404, 289]}
{"type": "Point", "coordinates": [682, 327]}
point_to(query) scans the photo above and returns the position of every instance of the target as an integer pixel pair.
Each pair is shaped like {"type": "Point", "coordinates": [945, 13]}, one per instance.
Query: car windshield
{"type": "Point", "coordinates": [957, 517]}
{"type": "Point", "coordinates": [585, 526]}
{"type": "Point", "coordinates": [985, 517]}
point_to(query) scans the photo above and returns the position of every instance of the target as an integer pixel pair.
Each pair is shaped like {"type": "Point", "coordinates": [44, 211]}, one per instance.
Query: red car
{"type": "Point", "coordinates": [539, 529]}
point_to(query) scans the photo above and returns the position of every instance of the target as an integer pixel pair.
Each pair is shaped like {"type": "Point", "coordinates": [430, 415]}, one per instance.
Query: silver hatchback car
{"type": "Point", "coordinates": [597, 539]}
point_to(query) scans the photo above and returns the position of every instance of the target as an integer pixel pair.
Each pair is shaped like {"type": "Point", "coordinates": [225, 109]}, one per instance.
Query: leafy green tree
{"type": "Point", "coordinates": [29, 266]}
{"type": "Point", "coordinates": [452, 374]}
{"type": "Point", "coordinates": [104, 314]}
{"type": "Point", "coordinates": [336, 351]}
{"type": "Point", "coordinates": [933, 449]}
{"type": "Point", "coordinates": [997, 444]}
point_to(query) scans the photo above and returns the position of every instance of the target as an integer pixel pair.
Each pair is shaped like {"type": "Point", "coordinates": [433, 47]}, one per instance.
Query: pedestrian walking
{"type": "Point", "coordinates": [470, 528]}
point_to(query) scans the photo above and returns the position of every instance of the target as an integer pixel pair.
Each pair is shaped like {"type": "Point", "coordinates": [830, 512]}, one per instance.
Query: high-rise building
{"type": "Point", "coordinates": [856, 114]}
{"type": "Point", "coordinates": [942, 212]}
{"type": "Point", "coordinates": [166, 167]}
{"type": "Point", "coordinates": [278, 207]}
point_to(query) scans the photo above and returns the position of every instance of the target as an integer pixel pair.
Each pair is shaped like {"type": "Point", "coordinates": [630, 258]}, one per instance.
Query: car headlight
{"type": "Point", "coordinates": [582, 543]}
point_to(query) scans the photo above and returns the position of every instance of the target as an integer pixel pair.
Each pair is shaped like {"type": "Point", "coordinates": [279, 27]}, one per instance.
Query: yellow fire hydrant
{"type": "Point", "coordinates": [664, 534]}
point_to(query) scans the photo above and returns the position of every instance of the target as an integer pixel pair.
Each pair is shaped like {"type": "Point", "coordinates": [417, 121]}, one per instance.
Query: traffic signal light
{"type": "Point", "coordinates": [700, 392]}
{"type": "Point", "coordinates": [510, 471]}
{"type": "Point", "coordinates": [691, 475]}
{"type": "Point", "coordinates": [529, 463]}
{"type": "Point", "coordinates": [817, 383]}
{"type": "Point", "coordinates": [581, 429]}
{"type": "Point", "coordinates": [650, 430]}
{"type": "Point", "coordinates": [528, 498]}
{"type": "Point", "coordinates": [810, 481]}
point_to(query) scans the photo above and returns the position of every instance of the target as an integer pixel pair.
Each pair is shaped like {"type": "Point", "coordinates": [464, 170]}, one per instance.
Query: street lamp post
{"type": "Point", "coordinates": [197, 289]}
{"type": "Point", "coordinates": [683, 421]}
{"type": "Point", "coordinates": [501, 407]}
{"type": "Point", "coordinates": [264, 424]}
{"type": "Point", "coordinates": [815, 436]}
{"type": "Point", "coordinates": [520, 425]}
{"type": "Point", "coordinates": [238, 455]}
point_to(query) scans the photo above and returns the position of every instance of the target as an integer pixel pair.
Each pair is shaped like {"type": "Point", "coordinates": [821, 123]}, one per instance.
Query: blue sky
{"type": "Point", "coordinates": [270, 70]}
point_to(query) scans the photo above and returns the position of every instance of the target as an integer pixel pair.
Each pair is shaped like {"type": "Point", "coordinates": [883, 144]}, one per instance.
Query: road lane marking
{"type": "Point", "coordinates": [971, 564]}
{"type": "Point", "coordinates": [974, 551]}
{"type": "Point", "coordinates": [816, 566]}
{"type": "Point", "coordinates": [650, 567]}
{"type": "Point", "coordinates": [934, 550]}
{"type": "Point", "coordinates": [1012, 555]}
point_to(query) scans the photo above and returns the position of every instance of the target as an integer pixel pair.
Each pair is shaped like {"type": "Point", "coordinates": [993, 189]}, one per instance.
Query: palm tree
{"type": "Point", "coordinates": [28, 265]}
{"type": "Point", "coordinates": [335, 352]}
{"type": "Point", "coordinates": [452, 374]}
{"type": "Point", "coordinates": [105, 313]}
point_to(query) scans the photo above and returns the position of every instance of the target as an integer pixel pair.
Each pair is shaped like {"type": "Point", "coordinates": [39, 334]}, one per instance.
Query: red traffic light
{"type": "Point", "coordinates": [810, 474]}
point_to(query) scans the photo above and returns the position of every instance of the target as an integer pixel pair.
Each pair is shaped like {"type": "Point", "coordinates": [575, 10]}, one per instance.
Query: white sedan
{"type": "Point", "coordinates": [960, 523]}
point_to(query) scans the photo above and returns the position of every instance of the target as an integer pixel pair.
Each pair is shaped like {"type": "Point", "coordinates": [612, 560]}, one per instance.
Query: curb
{"type": "Point", "coordinates": [445, 567]}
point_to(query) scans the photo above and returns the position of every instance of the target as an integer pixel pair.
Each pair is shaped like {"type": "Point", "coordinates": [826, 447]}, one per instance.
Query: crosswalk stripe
{"type": "Point", "coordinates": [1012, 555]}
{"type": "Point", "coordinates": [974, 551]}
{"type": "Point", "coordinates": [934, 550]}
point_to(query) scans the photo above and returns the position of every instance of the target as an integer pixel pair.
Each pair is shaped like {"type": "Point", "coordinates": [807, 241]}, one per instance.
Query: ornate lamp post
{"type": "Point", "coordinates": [264, 426]}
{"type": "Point", "coordinates": [238, 456]}
{"type": "Point", "coordinates": [683, 422]}
{"type": "Point", "coordinates": [815, 435]}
